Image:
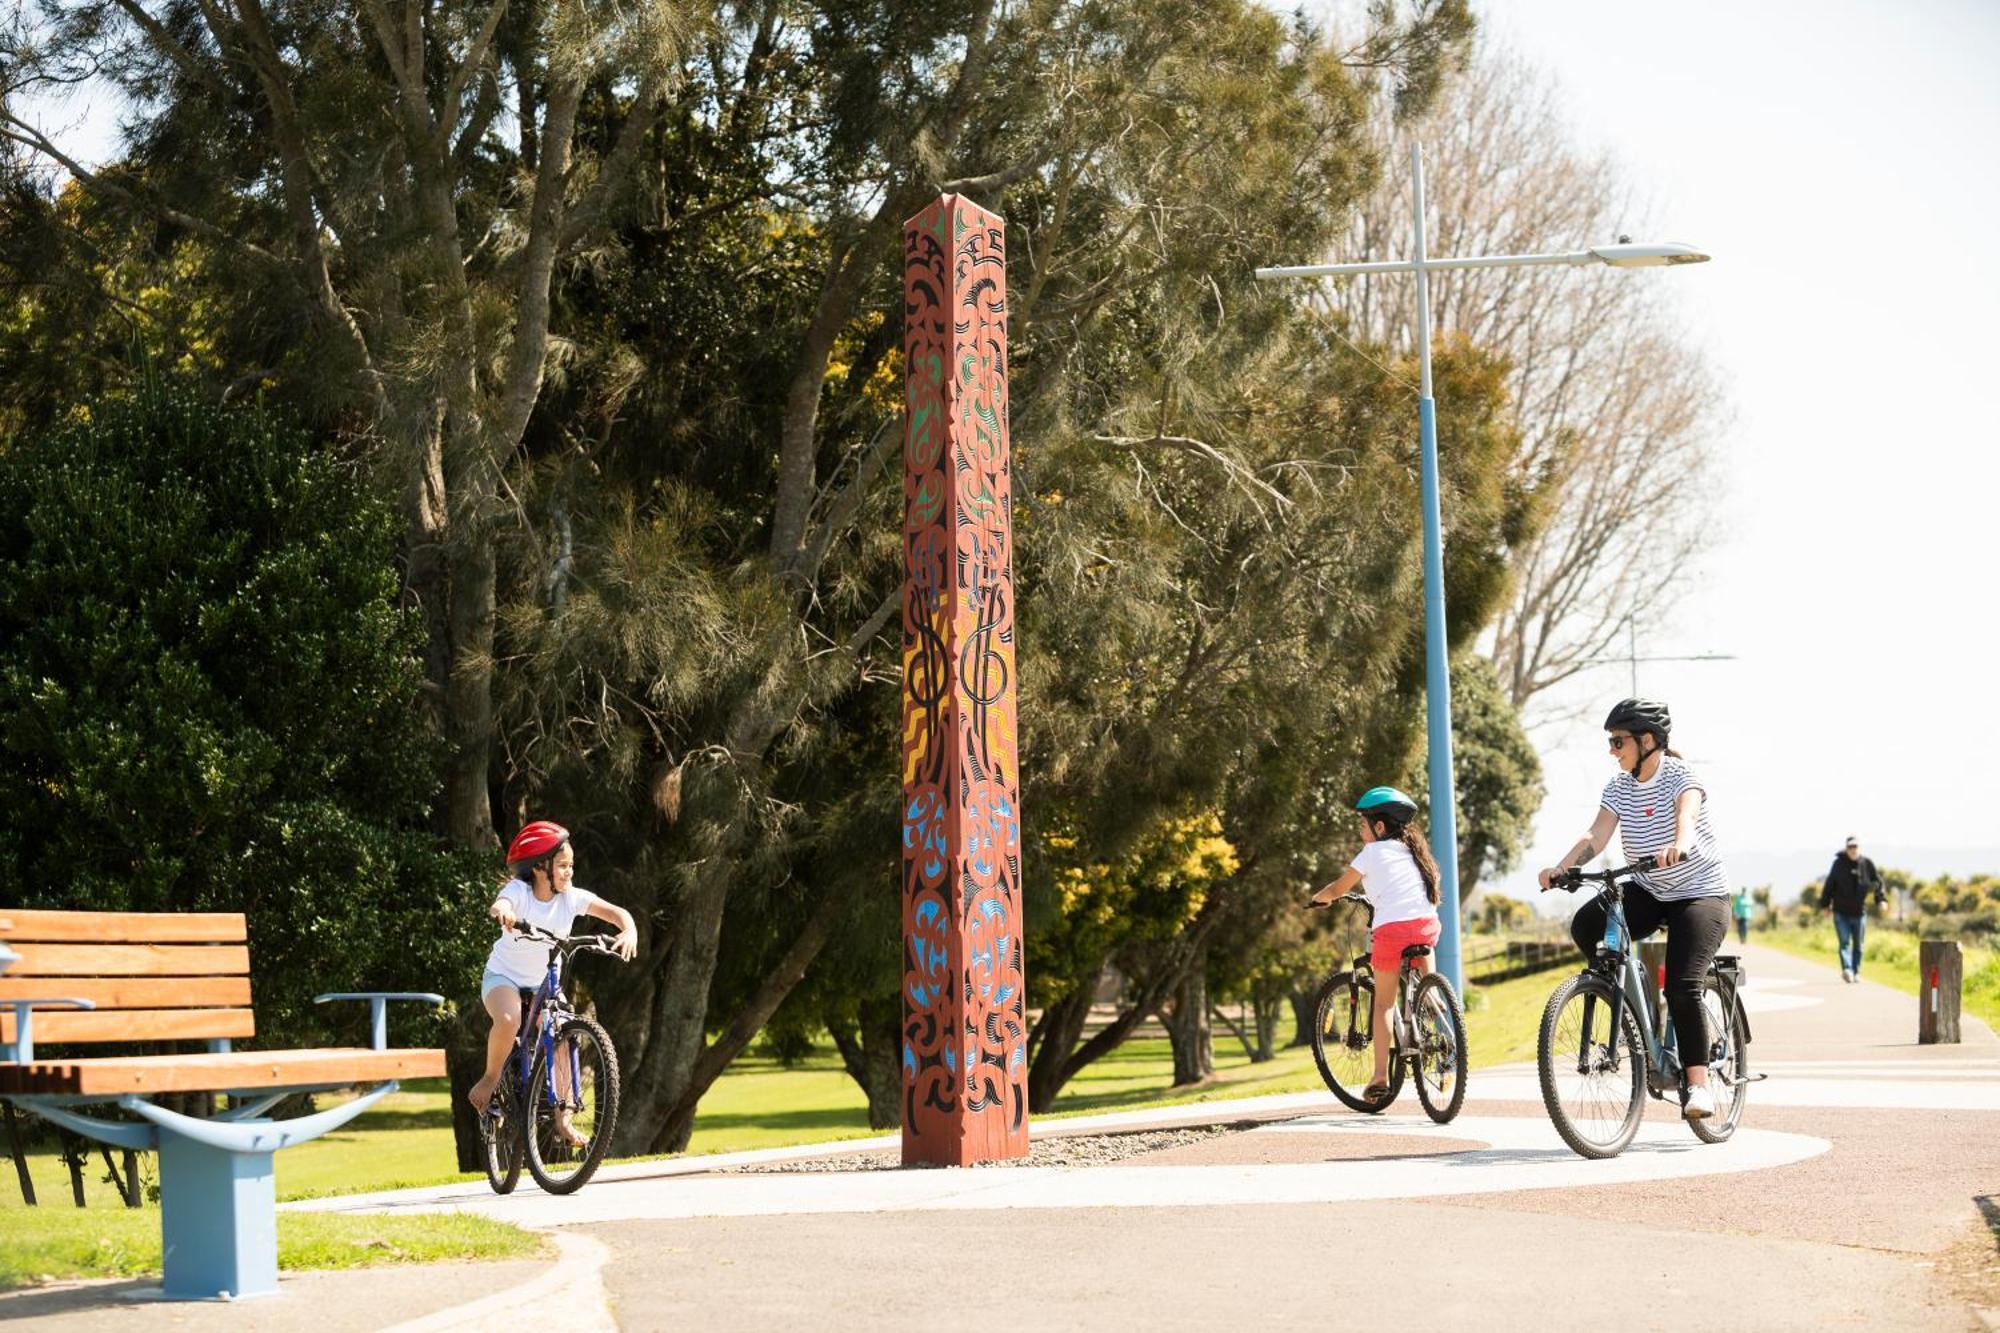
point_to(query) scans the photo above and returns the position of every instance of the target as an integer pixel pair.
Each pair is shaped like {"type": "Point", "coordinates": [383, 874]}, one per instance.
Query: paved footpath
{"type": "Point", "coordinates": [1851, 1196]}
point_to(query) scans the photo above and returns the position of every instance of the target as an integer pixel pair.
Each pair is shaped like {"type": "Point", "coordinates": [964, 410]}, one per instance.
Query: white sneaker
{"type": "Point", "coordinates": [1698, 1104]}
{"type": "Point", "coordinates": [1846, 975]}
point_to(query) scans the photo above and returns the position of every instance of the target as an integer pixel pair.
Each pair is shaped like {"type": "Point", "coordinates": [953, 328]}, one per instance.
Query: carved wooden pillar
{"type": "Point", "coordinates": [965, 1095]}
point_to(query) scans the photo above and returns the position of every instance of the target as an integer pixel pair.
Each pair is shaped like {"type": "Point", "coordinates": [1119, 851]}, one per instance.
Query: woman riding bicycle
{"type": "Point", "coordinates": [1660, 810]}
{"type": "Point", "coordinates": [1400, 880]}
{"type": "Point", "coordinates": [540, 893]}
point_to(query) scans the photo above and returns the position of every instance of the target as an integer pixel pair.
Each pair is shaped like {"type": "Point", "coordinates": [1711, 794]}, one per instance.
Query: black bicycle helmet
{"type": "Point", "coordinates": [1641, 717]}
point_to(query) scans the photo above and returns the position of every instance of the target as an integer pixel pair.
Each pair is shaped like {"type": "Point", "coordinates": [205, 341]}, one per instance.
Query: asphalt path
{"type": "Point", "coordinates": [1855, 1194]}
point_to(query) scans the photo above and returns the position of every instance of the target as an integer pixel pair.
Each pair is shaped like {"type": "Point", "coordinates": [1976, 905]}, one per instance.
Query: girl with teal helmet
{"type": "Point", "coordinates": [1397, 875]}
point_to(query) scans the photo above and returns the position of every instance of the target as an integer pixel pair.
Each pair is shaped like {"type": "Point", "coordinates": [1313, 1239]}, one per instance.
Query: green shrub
{"type": "Point", "coordinates": [211, 699]}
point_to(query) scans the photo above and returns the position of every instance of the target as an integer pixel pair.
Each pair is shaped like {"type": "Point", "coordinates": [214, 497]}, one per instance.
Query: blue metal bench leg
{"type": "Point", "coordinates": [218, 1221]}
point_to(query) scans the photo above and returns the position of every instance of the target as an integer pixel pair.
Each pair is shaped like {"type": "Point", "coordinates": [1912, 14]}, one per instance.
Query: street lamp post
{"type": "Point", "coordinates": [1437, 671]}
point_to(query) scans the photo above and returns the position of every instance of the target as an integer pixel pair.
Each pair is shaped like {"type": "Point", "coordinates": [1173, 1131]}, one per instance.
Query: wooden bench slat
{"type": "Point", "coordinates": [21, 923]}
{"type": "Point", "coordinates": [133, 992]}
{"type": "Point", "coordinates": [150, 1074]}
{"type": "Point", "coordinates": [131, 960]}
{"type": "Point", "coordinates": [60, 1025]}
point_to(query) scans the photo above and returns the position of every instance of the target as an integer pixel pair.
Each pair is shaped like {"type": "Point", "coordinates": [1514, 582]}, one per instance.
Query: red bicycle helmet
{"type": "Point", "coordinates": [536, 841]}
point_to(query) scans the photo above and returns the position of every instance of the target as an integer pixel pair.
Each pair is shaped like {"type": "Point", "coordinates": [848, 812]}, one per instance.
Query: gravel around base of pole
{"type": "Point", "coordinates": [1070, 1150]}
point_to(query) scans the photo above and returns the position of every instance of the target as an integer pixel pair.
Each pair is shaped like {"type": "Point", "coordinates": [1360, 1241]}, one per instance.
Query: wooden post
{"type": "Point", "coordinates": [965, 1092]}
{"type": "Point", "coordinates": [1940, 969]}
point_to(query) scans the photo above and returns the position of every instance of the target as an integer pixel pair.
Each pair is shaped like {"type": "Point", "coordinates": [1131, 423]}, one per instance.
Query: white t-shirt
{"type": "Point", "coordinates": [1390, 878]}
{"type": "Point", "coordinates": [1646, 813]}
{"type": "Point", "coordinates": [524, 961]}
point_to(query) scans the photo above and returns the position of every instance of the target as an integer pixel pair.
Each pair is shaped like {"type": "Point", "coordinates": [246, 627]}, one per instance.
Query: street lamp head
{"type": "Point", "coordinates": [1626, 255]}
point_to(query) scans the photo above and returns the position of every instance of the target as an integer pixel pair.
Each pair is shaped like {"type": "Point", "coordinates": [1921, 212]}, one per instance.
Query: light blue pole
{"type": "Point", "coordinates": [1437, 651]}
{"type": "Point", "coordinates": [1444, 793]}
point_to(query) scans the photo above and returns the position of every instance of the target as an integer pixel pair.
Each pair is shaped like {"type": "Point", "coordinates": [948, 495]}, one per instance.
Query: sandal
{"type": "Point", "coordinates": [1375, 1092]}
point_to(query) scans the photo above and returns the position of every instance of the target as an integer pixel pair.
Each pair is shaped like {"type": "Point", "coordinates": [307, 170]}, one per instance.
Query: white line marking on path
{"type": "Point", "coordinates": [1781, 1089]}
{"type": "Point", "coordinates": [1520, 1153]}
{"type": "Point", "coordinates": [570, 1294]}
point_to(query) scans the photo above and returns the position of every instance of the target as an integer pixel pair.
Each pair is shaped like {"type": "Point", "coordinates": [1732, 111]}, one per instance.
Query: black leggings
{"type": "Point", "coordinates": [1696, 928]}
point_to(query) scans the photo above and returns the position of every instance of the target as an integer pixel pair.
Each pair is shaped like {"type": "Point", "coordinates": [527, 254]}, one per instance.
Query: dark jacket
{"type": "Point", "coordinates": [1849, 884]}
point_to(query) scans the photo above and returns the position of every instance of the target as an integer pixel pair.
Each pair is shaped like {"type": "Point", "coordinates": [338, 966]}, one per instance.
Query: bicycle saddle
{"type": "Point", "coordinates": [1416, 951]}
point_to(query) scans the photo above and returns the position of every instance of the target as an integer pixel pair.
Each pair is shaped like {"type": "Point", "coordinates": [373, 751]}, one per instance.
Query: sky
{"type": "Point", "coordinates": [1837, 160]}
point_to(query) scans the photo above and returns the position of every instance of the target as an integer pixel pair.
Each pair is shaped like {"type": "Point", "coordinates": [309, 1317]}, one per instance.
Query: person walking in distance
{"type": "Point", "coordinates": [1743, 911]}
{"type": "Point", "coordinates": [1849, 884]}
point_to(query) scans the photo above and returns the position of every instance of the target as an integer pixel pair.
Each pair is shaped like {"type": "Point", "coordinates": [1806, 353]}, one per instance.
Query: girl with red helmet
{"type": "Point", "coordinates": [541, 893]}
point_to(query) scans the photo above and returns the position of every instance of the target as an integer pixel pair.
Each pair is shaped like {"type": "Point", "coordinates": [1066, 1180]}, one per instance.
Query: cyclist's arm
{"type": "Point", "coordinates": [1587, 846]}
{"type": "Point", "coordinates": [1349, 878]}
{"type": "Point", "coordinates": [1687, 817]}
{"type": "Point", "coordinates": [627, 942]}
{"type": "Point", "coordinates": [502, 910]}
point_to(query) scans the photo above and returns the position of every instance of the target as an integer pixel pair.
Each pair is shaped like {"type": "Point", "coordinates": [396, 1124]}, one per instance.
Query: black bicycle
{"type": "Point", "coordinates": [1426, 1033]}
{"type": "Point", "coordinates": [557, 1101]}
{"type": "Point", "coordinates": [1598, 1061]}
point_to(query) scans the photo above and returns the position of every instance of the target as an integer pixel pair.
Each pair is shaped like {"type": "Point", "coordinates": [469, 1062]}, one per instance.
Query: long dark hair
{"type": "Point", "coordinates": [1420, 852]}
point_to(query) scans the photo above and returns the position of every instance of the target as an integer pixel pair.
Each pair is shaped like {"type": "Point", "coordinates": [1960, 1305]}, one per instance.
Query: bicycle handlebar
{"type": "Point", "coordinates": [1361, 898]}
{"type": "Point", "coordinates": [1574, 877]}
{"type": "Point", "coordinates": [568, 944]}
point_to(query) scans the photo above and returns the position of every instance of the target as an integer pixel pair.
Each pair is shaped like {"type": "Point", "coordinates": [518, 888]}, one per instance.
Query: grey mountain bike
{"type": "Point", "coordinates": [1601, 1051]}
{"type": "Point", "coordinates": [1426, 1033]}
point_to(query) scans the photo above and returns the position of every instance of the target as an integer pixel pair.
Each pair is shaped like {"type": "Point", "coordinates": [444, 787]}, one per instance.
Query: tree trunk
{"type": "Point", "coordinates": [1302, 1017]}
{"type": "Point", "coordinates": [1152, 993]}
{"type": "Point", "coordinates": [1062, 1027]}
{"type": "Point", "coordinates": [677, 1066]}
{"type": "Point", "coordinates": [1188, 1031]}
{"type": "Point", "coordinates": [661, 1071]}
{"type": "Point", "coordinates": [1237, 1030]}
{"type": "Point", "coordinates": [882, 1061]}
{"type": "Point", "coordinates": [468, 693]}
{"type": "Point", "coordinates": [464, 1063]}
{"type": "Point", "coordinates": [1264, 1010]}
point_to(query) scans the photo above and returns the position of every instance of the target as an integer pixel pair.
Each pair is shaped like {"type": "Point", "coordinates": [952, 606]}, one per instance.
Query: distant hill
{"type": "Point", "coordinates": [1787, 872]}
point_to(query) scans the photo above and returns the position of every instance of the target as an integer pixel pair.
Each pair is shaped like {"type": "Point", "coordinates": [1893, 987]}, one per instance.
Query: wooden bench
{"type": "Point", "coordinates": [86, 978]}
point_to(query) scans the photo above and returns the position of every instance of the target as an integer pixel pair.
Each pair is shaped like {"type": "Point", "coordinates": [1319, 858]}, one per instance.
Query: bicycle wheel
{"type": "Point", "coordinates": [1343, 1041]}
{"type": "Point", "coordinates": [1440, 1041]}
{"type": "Point", "coordinates": [500, 1139]}
{"type": "Point", "coordinates": [1594, 1091]}
{"type": "Point", "coordinates": [1728, 1060]}
{"type": "Point", "coordinates": [582, 1079]}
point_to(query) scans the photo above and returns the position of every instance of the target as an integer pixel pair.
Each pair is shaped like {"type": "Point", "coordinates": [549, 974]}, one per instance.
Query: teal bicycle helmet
{"type": "Point", "coordinates": [1387, 803]}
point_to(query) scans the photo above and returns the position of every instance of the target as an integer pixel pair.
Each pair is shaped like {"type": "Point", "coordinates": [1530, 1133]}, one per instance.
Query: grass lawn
{"type": "Point", "coordinates": [47, 1243]}
{"type": "Point", "coordinates": [406, 1140]}
{"type": "Point", "coordinates": [1890, 957]}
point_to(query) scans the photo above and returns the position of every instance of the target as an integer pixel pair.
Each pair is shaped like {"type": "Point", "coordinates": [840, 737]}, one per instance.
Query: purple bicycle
{"type": "Point", "coordinates": [557, 1102]}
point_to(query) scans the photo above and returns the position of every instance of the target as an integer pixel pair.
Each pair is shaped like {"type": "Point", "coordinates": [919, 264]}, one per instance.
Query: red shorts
{"type": "Point", "coordinates": [1386, 949]}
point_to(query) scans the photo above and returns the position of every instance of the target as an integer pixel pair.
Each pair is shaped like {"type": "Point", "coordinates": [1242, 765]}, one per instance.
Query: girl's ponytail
{"type": "Point", "coordinates": [1420, 852]}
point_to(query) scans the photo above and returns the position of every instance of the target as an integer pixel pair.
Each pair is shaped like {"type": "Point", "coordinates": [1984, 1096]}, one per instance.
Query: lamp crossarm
{"type": "Point", "coordinates": [1570, 257]}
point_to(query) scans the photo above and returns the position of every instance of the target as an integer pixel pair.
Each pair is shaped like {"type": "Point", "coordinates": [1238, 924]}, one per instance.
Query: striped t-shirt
{"type": "Point", "coordinates": [1645, 813]}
